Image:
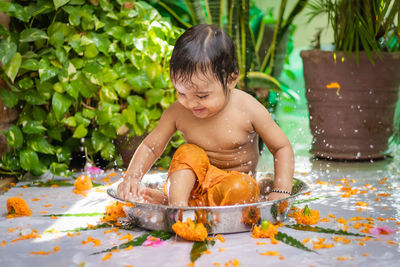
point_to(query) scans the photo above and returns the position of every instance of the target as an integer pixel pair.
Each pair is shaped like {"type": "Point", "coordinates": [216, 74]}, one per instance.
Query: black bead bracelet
{"type": "Point", "coordinates": [280, 191]}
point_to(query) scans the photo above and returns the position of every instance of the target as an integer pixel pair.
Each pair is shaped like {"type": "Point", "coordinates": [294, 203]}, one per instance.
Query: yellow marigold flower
{"type": "Point", "coordinates": [82, 183]}
{"type": "Point", "coordinates": [17, 207]}
{"type": "Point", "coordinates": [113, 212]}
{"type": "Point", "coordinates": [307, 216]}
{"type": "Point", "coordinates": [190, 230]}
{"type": "Point", "coordinates": [267, 230]}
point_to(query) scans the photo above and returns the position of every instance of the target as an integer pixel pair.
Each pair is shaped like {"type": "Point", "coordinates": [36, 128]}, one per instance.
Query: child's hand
{"type": "Point", "coordinates": [276, 196]}
{"type": "Point", "coordinates": [128, 188]}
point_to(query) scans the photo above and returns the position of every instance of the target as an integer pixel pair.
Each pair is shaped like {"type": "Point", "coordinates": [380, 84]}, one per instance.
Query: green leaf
{"type": "Point", "coordinates": [60, 105]}
{"type": "Point", "coordinates": [59, 3]}
{"type": "Point", "coordinates": [25, 83]}
{"type": "Point", "coordinates": [30, 64]}
{"type": "Point", "coordinates": [137, 102]}
{"type": "Point", "coordinates": [12, 67]}
{"type": "Point", "coordinates": [88, 113]}
{"type": "Point", "coordinates": [198, 248]}
{"type": "Point", "coordinates": [81, 119]}
{"type": "Point", "coordinates": [10, 162]}
{"type": "Point", "coordinates": [28, 159]}
{"type": "Point", "coordinates": [57, 39]}
{"type": "Point", "coordinates": [83, 85]}
{"type": "Point", "coordinates": [138, 241]}
{"type": "Point", "coordinates": [39, 114]}
{"type": "Point", "coordinates": [33, 127]}
{"type": "Point", "coordinates": [9, 98]}
{"type": "Point", "coordinates": [55, 133]}
{"type": "Point", "coordinates": [80, 229]}
{"type": "Point", "coordinates": [292, 241]}
{"type": "Point", "coordinates": [14, 137]}
{"type": "Point", "coordinates": [91, 51]}
{"type": "Point", "coordinates": [72, 90]}
{"type": "Point", "coordinates": [63, 154]}
{"type": "Point", "coordinates": [109, 75]}
{"type": "Point", "coordinates": [32, 97]}
{"type": "Point", "coordinates": [144, 118]}
{"type": "Point", "coordinates": [260, 80]}
{"type": "Point", "coordinates": [130, 114]}
{"type": "Point", "coordinates": [7, 50]}
{"type": "Point", "coordinates": [32, 34]}
{"type": "Point", "coordinates": [108, 152]}
{"type": "Point", "coordinates": [4, 6]}
{"type": "Point", "coordinates": [318, 229]}
{"type": "Point", "coordinates": [154, 96]}
{"type": "Point", "coordinates": [107, 94]}
{"type": "Point", "coordinates": [70, 121]}
{"type": "Point", "coordinates": [58, 168]}
{"type": "Point", "coordinates": [99, 141]}
{"type": "Point", "coordinates": [39, 144]}
{"type": "Point", "coordinates": [92, 67]}
{"type": "Point", "coordinates": [139, 81]}
{"type": "Point", "coordinates": [46, 71]}
{"type": "Point", "coordinates": [123, 89]}
{"type": "Point", "coordinates": [80, 131]}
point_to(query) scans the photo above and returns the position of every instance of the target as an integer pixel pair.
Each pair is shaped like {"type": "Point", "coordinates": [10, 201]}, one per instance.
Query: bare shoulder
{"type": "Point", "coordinates": [248, 102]}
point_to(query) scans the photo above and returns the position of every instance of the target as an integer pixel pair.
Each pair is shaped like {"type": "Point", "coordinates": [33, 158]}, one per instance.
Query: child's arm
{"type": "Point", "coordinates": [279, 146]}
{"type": "Point", "coordinates": [147, 153]}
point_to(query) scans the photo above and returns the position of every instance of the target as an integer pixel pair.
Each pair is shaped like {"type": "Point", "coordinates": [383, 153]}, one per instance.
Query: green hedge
{"type": "Point", "coordinates": [83, 73]}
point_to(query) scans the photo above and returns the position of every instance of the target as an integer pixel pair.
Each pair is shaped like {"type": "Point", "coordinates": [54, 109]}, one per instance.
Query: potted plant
{"type": "Point", "coordinates": [259, 46]}
{"type": "Point", "coordinates": [82, 74]}
{"type": "Point", "coordinates": [352, 91]}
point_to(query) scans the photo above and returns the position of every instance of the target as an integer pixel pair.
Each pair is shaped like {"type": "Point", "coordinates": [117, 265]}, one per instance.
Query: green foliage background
{"type": "Point", "coordinates": [83, 73]}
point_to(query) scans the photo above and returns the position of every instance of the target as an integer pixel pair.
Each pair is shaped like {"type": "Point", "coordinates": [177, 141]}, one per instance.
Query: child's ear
{"type": "Point", "coordinates": [233, 80]}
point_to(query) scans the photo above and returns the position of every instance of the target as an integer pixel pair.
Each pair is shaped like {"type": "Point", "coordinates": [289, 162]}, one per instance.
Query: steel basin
{"type": "Point", "coordinates": [218, 219]}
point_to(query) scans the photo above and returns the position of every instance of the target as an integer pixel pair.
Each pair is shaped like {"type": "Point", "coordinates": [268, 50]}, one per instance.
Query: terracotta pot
{"type": "Point", "coordinates": [355, 121]}
{"type": "Point", "coordinates": [7, 116]}
{"type": "Point", "coordinates": [127, 146]}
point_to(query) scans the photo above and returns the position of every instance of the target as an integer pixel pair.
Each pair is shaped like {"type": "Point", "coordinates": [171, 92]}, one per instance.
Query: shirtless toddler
{"type": "Point", "coordinates": [220, 125]}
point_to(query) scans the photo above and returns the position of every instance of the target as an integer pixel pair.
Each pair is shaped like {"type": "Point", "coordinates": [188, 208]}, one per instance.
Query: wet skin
{"type": "Point", "coordinates": [225, 125]}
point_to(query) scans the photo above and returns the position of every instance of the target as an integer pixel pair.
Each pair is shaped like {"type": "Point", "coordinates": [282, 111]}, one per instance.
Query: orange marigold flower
{"type": "Point", "coordinates": [82, 183]}
{"type": "Point", "coordinates": [220, 238]}
{"type": "Point", "coordinates": [190, 230]}
{"type": "Point", "coordinates": [362, 204]}
{"type": "Point", "coordinates": [17, 207]}
{"type": "Point", "coordinates": [307, 216]}
{"type": "Point", "coordinates": [107, 256]}
{"type": "Point", "coordinates": [266, 230]}
{"type": "Point", "coordinates": [113, 212]}
{"type": "Point", "coordinates": [3, 243]}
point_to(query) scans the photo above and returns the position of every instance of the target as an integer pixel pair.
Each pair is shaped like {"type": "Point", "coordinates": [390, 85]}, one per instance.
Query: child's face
{"type": "Point", "coordinates": [205, 97]}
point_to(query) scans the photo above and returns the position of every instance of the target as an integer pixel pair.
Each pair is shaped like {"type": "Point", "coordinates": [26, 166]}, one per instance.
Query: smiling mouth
{"type": "Point", "coordinates": [198, 110]}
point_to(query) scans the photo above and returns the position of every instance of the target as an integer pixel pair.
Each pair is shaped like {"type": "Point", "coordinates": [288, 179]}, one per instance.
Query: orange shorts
{"type": "Point", "coordinates": [213, 186]}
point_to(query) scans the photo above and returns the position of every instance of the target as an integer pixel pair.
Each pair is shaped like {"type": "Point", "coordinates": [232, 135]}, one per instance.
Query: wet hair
{"type": "Point", "coordinates": [204, 49]}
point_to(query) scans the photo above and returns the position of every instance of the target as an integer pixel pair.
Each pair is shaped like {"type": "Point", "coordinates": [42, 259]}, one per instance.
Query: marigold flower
{"type": "Point", "coordinates": [17, 207]}
{"type": "Point", "coordinates": [82, 183]}
{"type": "Point", "coordinates": [190, 230]}
{"type": "Point", "coordinates": [107, 256]}
{"type": "Point", "coordinates": [267, 230]}
{"type": "Point", "coordinates": [306, 216]}
{"type": "Point", "coordinates": [113, 212]}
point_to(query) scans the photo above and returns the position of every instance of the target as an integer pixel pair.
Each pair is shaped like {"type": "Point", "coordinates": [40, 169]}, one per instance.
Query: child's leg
{"type": "Point", "coordinates": [154, 196]}
{"type": "Point", "coordinates": [181, 183]}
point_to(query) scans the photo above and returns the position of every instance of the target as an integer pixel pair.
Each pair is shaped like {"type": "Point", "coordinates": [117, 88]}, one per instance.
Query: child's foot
{"type": "Point", "coordinates": [154, 196]}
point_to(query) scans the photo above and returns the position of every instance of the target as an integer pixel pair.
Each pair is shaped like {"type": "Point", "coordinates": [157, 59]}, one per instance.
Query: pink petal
{"type": "Point", "coordinates": [381, 230]}
{"type": "Point", "coordinates": [93, 170]}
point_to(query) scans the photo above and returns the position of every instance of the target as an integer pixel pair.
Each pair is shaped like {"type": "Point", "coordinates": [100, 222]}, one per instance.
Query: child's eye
{"type": "Point", "coordinates": [202, 96]}
{"type": "Point", "coordinates": [181, 94]}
